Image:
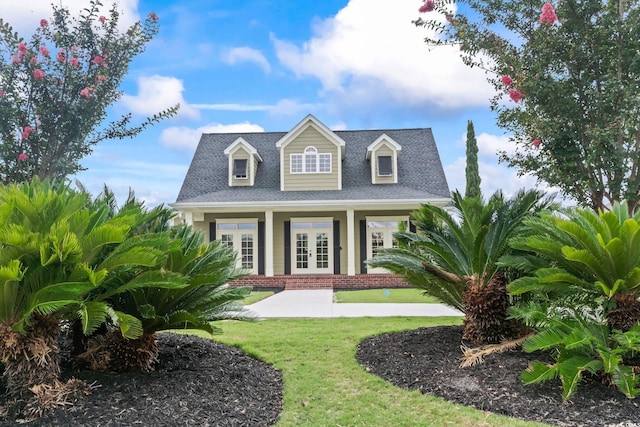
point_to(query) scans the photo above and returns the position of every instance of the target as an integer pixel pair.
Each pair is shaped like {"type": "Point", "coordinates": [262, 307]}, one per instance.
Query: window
{"type": "Point", "coordinates": [311, 162]}
{"type": "Point", "coordinates": [385, 166]}
{"type": "Point", "coordinates": [240, 168]}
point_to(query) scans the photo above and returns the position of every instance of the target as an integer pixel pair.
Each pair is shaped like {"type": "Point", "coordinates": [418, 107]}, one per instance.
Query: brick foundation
{"type": "Point", "coordinates": [327, 281]}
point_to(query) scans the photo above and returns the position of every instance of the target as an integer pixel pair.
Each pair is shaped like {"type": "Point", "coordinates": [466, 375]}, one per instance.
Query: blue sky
{"type": "Point", "coordinates": [260, 65]}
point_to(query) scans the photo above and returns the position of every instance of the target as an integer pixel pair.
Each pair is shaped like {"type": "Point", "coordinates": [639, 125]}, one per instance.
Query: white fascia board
{"type": "Point", "coordinates": [320, 127]}
{"type": "Point", "coordinates": [309, 205]}
{"type": "Point", "coordinates": [374, 145]}
{"type": "Point", "coordinates": [240, 141]}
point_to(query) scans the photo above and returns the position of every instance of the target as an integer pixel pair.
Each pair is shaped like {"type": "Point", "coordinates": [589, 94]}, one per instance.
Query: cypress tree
{"type": "Point", "coordinates": [471, 170]}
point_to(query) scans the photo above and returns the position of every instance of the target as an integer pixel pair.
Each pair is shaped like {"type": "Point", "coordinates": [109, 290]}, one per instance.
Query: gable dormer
{"type": "Point", "coordinates": [311, 157]}
{"type": "Point", "coordinates": [383, 159]}
{"type": "Point", "coordinates": [243, 163]}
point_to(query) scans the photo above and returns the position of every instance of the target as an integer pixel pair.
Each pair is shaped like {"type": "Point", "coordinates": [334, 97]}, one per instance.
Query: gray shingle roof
{"type": "Point", "coordinates": [420, 172]}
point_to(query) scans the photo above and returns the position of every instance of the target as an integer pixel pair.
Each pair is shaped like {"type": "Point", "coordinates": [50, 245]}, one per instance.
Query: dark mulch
{"type": "Point", "coordinates": [428, 359]}
{"type": "Point", "coordinates": [197, 382]}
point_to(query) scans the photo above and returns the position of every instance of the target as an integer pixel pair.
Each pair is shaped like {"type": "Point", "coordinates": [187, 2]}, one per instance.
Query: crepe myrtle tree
{"type": "Point", "coordinates": [566, 75]}
{"type": "Point", "coordinates": [55, 90]}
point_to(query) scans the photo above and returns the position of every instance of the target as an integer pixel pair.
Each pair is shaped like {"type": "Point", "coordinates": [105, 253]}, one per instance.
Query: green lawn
{"type": "Point", "coordinates": [410, 295]}
{"type": "Point", "coordinates": [325, 386]}
{"type": "Point", "coordinates": [256, 296]}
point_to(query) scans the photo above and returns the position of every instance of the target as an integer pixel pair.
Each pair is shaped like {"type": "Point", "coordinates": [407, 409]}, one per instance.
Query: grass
{"type": "Point", "coordinates": [410, 295]}
{"type": "Point", "coordinates": [325, 386]}
{"type": "Point", "coordinates": [256, 296]}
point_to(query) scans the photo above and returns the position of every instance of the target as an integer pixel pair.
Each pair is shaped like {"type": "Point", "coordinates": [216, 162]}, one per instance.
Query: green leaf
{"type": "Point", "coordinates": [538, 372]}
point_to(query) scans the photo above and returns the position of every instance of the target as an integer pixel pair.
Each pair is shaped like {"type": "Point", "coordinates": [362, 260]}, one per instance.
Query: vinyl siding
{"type": "Point", "coordinates": [311, 181]}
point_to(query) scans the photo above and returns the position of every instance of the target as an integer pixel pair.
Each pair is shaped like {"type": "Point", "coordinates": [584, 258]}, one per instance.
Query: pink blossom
{"type": "Point", "coordinates": [73, 48]}
{"type": "Point", "coordinates": [61, 55]}
{"type": "Point", "coordinates": [44, 51]}
{"type": "Point", "coordinates": [515, 95]}
{"type": "Point", "coordinates": [74, 62]}
{"type": "Point", "coordinates": [34, 60]}
{"type": "Point", "coordinates": [100, 78]}
{"type": "Point", "coordinates": [26, 132]}
{"type": "Point", "coordinates": [548, 15]}
{"type": "Point", "coordinates": [15, 59]}
{"type": "Point", "coordinates": [22, 157]}
{"type": "Point", "coordinates": [98, 60]}
{"type": "Point", "coordinates": [44, 23]}
{"type": "Point", "coordinates": [38, 74]}
{"type": "Point", "coordinates": [153, 17]}
{"type": "Point", "coordinates": [102, 19]}
{"type": "Point", "coordinates": [87, 92]}
{"type": "Point", "coordinates": [22, 48]}
{"type": "Point", "coordinates": [507, 80]}
{"type": "Point", "coordinates": [2, 92]}
{"type": "Point", "coordinates": [536, 143]}
{"type": "Point", "coordinates": [428, 6]}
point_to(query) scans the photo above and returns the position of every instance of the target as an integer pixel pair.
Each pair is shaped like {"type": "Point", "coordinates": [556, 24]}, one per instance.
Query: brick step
{"type": "Point", "coordinates": [328, 281]}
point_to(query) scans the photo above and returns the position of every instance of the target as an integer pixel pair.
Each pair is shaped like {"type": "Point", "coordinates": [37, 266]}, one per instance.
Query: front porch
{"type": "Point", "coordinates": [322, 281]}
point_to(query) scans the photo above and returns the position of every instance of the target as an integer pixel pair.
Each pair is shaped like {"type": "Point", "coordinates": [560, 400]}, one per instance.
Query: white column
{"type": "Point", "coordinates": [351, 244]}
{"type": "Point", "coordinates": [268, 243]}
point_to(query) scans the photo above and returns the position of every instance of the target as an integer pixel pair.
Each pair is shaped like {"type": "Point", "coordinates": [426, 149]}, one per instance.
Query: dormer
{"type": "Point", "coordinates": [311, 157]}
{"type": "Point", "coordinates": [243, 163]}
{"type": "Point", "coordinates": [383, 159]}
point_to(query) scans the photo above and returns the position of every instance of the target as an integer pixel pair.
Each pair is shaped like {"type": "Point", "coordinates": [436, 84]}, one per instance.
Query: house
{"type": "Point", "coordinates": [307, 207]}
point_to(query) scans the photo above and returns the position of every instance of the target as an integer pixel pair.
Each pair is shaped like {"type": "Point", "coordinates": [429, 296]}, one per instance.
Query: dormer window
{"type": "Point", "coordinates": [243, 163]}
{"type": "Point", "coordinates": [385, 166]}
{"type": "Point", "coordinates": [383, 157]}
{"type": "Point", "coordinates": [240, 168]}
{"type": "Point", "coordinates": [310, 161]}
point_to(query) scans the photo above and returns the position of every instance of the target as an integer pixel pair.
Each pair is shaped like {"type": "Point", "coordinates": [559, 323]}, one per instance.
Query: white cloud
{"type": "Point", "coordinates": [188, 138]}
{"type": "Point", "coordinates": [290, 107]}
{"type": "Point", "coordinates": [25, 16]}
{"type": "Point", "coordinates": [370, 52]}
{"type": "Point", "coordinates": [236, 55]}
{"type": "Point", "coordinates": [157, 93]}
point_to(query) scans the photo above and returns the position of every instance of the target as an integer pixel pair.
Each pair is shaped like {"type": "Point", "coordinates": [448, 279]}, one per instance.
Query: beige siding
{"type": "Point", "coordinates": [311, 181]}
{"type": "Point", "coordinates": [240, 153]}
{"type": "Point", "coordinates": [383, 150]}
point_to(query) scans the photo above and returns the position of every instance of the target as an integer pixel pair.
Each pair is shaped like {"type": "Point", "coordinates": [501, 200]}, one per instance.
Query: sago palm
{"type": "Point", "coordinates": [47, 238]}
{"type": "Point", "coordinates": [454, 257]}
{"type": "Point", "coordinates": [204, 269]}
{"type": "Point", "coordinates": [589, 256]}
{"type": "Point", "coordinates": [56, 248]}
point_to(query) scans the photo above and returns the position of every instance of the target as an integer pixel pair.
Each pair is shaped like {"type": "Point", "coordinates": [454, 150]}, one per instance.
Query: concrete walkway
{"type": "Point", "coordinates": [319, 303]}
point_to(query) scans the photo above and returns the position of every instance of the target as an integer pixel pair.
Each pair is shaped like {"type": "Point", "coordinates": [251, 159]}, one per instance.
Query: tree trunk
{"type": "Point", "coordinates": [485, 312]}
{"type": "Point", "coordinates": [627, 312]}
{"type": "Point", "coordinates": [112, 352]}
{"type": "Point", "coordinates": [32, 358]}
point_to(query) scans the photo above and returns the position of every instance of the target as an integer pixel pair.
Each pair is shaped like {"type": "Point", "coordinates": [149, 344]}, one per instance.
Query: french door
{"type": "Point", "coordinates": [242, 236]}
{"type": "Point", "coordinates": [312, 246]}
{"type": "Point", "coordinates": [380, 236]}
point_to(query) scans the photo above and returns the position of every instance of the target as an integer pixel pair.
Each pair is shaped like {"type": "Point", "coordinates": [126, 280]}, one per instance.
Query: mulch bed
{"type": "Point", "coordinates": [197, 382]}
{"type": "Point", "coordinates": [428, 359]}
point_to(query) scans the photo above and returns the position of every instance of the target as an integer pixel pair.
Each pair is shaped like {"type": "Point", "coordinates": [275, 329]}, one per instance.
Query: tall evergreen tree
{"type": "Point", "coordinates": [471, 171]}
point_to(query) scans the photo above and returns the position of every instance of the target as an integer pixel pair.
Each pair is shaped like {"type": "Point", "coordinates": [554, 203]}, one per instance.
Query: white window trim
{"type": "Point", "coordinates": [304, 155]}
